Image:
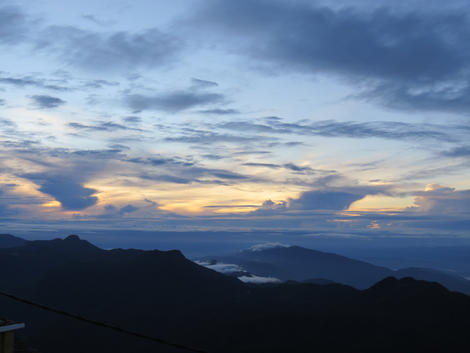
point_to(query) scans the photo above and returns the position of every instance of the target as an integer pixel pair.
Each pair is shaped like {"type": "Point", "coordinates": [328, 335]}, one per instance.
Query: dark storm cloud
{"type": "Point", "coordinates": [70, 193]}
{"type": "Point", "coordinates": [47, 102]}
{"type": "Point", "coordinates": [173, 101]}
{"type": "Point", "coordinates": [405, 59]}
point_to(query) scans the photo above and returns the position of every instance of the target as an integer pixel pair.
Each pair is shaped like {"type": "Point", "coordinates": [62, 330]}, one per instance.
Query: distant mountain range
{"type": "Point", "coordinates": [450, 258]}
{"type": "Point", "coordinates": [162, 293]}
{"type": "Point", "coordinates": [301, 264]}
{"type": "Point", "coordinates": [10, 241]}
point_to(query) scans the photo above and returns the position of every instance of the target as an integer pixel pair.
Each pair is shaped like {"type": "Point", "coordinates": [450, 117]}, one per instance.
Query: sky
{"type": "Point", "coordinates": [337, 118]}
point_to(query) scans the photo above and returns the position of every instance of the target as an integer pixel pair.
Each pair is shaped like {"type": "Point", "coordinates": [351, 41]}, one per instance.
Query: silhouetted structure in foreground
{"type": "Point", "coordinates": [7, 335]}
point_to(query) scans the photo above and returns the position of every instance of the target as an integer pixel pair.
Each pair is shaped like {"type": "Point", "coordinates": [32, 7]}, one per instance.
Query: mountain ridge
{"type": "Point", "coordinates": [163, 293]}
{"type": "Point", "coordinates": [302, 264]}
{"type": "Point", "coordinates": [10, 241]}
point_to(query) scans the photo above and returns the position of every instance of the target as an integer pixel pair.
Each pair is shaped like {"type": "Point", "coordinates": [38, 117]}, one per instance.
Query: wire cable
{"type": "Point", "coordinates": [102, 324]}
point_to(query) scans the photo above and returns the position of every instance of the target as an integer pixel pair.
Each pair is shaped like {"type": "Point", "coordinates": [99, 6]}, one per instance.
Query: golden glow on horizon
{"type": "Point", "coordinates": [380, 203]}
{"type": "Point", "coordinates": [194, 198]}
{"type": "Point", "coordinates": [234, 209]}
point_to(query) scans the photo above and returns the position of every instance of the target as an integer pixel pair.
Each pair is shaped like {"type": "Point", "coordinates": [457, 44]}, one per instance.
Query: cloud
{"type": "Point", "coordinates": [72, 195]}
{"type": "Point", "coordinates": [462, 151]}
{"type": "Point", "coordinates": [13, 25]}
{"type": "Point", "coordinates": [102, 126]}
{"type": "Point", "coordinates": [198, 83]}
{"type": "Point", "coordinates": [258, 279]}
{"type": "Point", "coordinates": [180, 171]}
{"type": "Point", "coordinates": [289, 166]}
{"type": "Point", "coordinates": [160, 161]}
{"type": "Point", "coordinates": [231, 269]}
{"type": "Point", "coordinates": [101, 51]}
{"type": "Point", "coordinates": [219, 111]}
{"type": "Point", "coordinates": [297, 168]}
{"type": "Point", "coordinates": [31, 81]}
{"type": "Point", "coordinates": [265, 246]}
{"type": "Point", "coordinates": [204, 137]}
{"type": "Point", "coordinates": [88, 49]}
{"type": "Point", "coordinates": [404, 59]}
{"type": "Point", "coordinates": [132, 119]}
{"type": "Point", "coordinates": [325, 200]}
{"type": "Point", "coordinates": [47, 102]}
{"type": "Point", "coordinates": [209, 133]}
{"type": "Point", "coordinates": [111, 211]}
{"type": "Point", "coordinates": [264, 165]}
{"type": "Point", "coordinates": [194, 174]}
{"type": "Point", "coordinates": [221, 267]}
{"type": "Point", "coordinates": [172, 102]}
{"type": "Point", "coordinates": [5, 201]}
{"type": "Point", "coordinates": [270, 206]}
{"type": "Point", "coordinates": [127, 209]}
{"type": "Point", "coordinates": [64, 172]}
{"type": "Point", "coordinates": [100, 83]}
{"type": "Point", "coordinates": [7, 123]}
{"type": "Point", "coordinates": [351, 129]}
{"type": "Point", "coordinates": [442, 200]}
{"type": "Point", "coordinates": [97, 21]}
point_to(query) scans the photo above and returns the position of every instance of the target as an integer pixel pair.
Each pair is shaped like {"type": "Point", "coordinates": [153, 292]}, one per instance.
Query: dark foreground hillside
{"type": "Point", "coordinates": [164, 294]}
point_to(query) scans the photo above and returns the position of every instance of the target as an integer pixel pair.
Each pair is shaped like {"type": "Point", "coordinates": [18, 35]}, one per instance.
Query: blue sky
{"type": "Point", "coordinates": [333, 117]}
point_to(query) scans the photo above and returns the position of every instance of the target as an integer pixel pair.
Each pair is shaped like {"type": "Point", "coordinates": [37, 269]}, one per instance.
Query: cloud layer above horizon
{"type": "Point", "coordinates": [328, 116]}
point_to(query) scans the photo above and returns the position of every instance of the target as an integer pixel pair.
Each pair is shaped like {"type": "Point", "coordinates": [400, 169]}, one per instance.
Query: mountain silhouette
{"type": "Point", "coordinates": [301, 264]}
{"type": "Point", "coordinates": [162, 293]}
{"type": "Point", "coordinates": [10, 241]}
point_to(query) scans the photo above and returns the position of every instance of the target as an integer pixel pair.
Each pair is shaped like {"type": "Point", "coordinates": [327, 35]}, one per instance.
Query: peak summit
{"type": "Point", "coordinates": [73, 237]}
